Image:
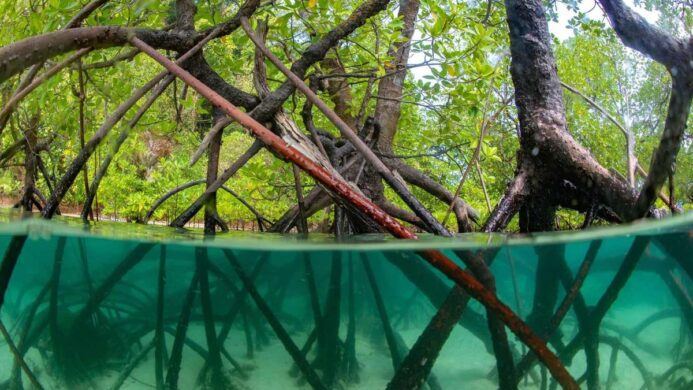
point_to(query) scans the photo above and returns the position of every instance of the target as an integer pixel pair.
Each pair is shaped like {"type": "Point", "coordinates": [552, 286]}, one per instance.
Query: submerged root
{"type": "Point", "coordinates": [679, 376]}
{"type": "Point", "coordinates": [87, 350]}
{"type": "Point", "coordinates": [222, 379]}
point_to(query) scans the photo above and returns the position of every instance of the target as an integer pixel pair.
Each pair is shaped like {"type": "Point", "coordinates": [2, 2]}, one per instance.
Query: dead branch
{"type": "Point", "coordinates": [265, 110]}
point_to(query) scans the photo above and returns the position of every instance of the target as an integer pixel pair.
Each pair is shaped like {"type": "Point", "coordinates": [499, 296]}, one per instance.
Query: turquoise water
{"type": "Point", "coordinates": [86, 305]}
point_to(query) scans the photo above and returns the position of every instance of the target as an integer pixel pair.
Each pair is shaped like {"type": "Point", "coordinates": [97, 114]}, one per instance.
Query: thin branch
{"type": "Point", "coordinates": [193, 183]}
{"type": "Point", "coordinates": [477, 151]}
{"type": "Point", "coordinates": [632, 161]}
{"type": "Point", "coordinates": [510, 204]}
{"type": "Point", "coordinates": [218, 126]}
{"type": "Point", "coordinates": [125, 56]}
{"type": "Point", "coordinates": [17, 97]}
{"type": "Point", "coordinates": [18, 357]}
{"type": "Point", "coordinates": [105, 164]}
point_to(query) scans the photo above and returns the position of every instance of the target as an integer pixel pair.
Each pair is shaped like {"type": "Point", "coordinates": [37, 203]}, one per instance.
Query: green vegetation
{"type": "Point", "coordinates": [458, 84]}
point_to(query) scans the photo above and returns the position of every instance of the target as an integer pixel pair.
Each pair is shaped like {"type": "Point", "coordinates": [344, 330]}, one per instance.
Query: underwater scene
{"type": "Point", "coordinates": [113, 306]}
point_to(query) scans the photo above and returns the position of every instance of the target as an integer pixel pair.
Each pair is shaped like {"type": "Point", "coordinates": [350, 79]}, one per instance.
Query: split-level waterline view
{"type": "Point", "coordinates": [356, 194]}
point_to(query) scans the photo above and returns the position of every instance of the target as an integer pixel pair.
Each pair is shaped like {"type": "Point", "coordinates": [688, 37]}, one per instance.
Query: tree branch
{"type": "Point", "coordinates": [510, 204]}
{"type": "Point", "coordinates": [638, 34]}
{"type": "Point", "coordinates": [185, 15]}
{"type": "Point", "coordinates": [76, 21]}
{"type": "Point", "coordinates": [677, 56]}
{"type": "Point", "coordinates": [22, 54]}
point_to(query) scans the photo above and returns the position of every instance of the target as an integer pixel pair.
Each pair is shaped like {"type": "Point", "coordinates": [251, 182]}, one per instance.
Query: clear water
{"type": "Point", "coordinates": [81, 306]}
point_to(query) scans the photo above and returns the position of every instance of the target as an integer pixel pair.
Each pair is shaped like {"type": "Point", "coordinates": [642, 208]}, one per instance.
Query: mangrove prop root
{"type": "Point", "coordinates": [9, 261]}
{"type": "Point", "coordinates": [181, 330]}
{"type": "Point", "coordinates": [312, 289]}
{"type": "Point", "coordinates": [132, 259]}
{"type": "Point", "coordinates": [240, 300]}
{"type": "Point", "coordinates": [206, 303]}
{"type": "Point", "coordinates": [616, 344]}
{"type": "Point", "coordinates": [572, 293]}
{"type": "Point", "coordinates": [160, 348]}
{"type": "Point", "coordinates": [237, 305]}
{"type": "Point", "coordinates": [23, 345]}
{"type": "Point", "coordinates": [132, 365]}
{"type": "Point", "coordinates": [279, 330]}
{"type": "Point", "coordinates": [417, 365]}
{"type": "Point", "coordinates": [53, 307]}
{"type": "Point", "coordinates": [395, 353]}
{"type": "Point", "coordinates": [613, 359]}
{"type": "Point", "coordinates": [249, 349]}
{"type": "Point", "coordinates": [19, 359]}
{"type": "Point", "coordinates": [307, 345]}
{"type": "Point", "coordinates": [328, 331]}
{"type": "Point", "coordinates": [412, 373]}
{"type": "Point", "coordinates": [477, 264]}
{"type": "Point", "coordinates": [350, 366]}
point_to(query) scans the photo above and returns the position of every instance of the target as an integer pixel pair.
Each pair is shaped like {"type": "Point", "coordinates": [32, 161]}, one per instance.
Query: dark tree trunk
{"type": "Point", "coordinates": [30, 164]}
{"type": "Point", "coordinates": [211, 216]}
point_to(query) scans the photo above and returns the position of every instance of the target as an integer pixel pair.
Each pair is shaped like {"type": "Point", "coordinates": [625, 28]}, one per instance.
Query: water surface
{"type": "Point", "coordinates": [86, 304]}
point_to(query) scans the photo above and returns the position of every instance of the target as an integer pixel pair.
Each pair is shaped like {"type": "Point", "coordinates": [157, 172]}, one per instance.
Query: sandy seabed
{"type": "Point", "coordinates": [463, 363]}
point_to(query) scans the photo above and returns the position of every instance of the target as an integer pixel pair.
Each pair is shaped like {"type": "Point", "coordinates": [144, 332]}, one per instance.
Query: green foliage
{"type": "Point", "coordinates": [458, 84]}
